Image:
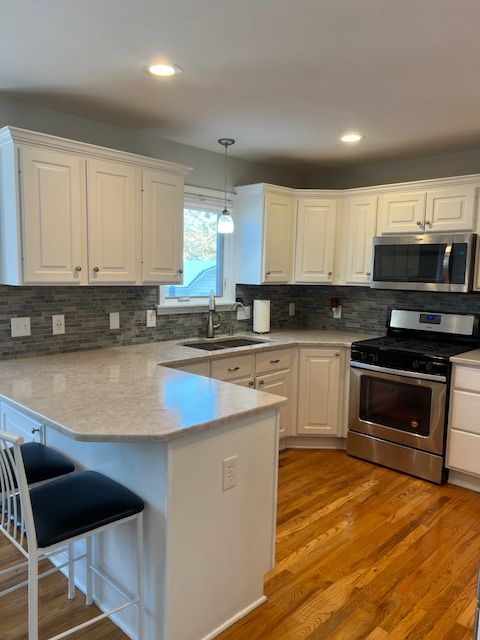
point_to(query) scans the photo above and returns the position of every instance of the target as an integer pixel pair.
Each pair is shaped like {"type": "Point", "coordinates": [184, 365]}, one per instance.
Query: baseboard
{"type": "Point", "coordinates": [216, 632]}
{"type": "Point", "coordinates": [464, 480]}
{"type": "Point", "coordinates": [312, 442]}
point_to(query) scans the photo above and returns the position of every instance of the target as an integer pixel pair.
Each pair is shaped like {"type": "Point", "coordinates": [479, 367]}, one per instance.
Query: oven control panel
{"type": "Point", "coordinates": [400, 360]}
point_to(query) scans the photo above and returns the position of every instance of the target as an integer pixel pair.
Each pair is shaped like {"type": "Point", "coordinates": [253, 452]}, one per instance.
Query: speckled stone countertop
{"type": "Point", "coordinates": [121, 394]}
{"type": "Point", "coordinates": [470, 358]}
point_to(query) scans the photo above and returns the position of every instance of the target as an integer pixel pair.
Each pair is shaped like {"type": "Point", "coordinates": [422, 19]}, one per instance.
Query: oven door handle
{"type": "Point", "coordinates": [398, 372]}
{"type": "Point", "coordinates": [446, 263]}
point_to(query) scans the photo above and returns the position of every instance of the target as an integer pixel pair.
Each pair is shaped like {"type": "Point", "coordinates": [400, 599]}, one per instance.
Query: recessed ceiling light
{"type": "Point", "coordinates": [352, 137]}
{"type": "Point", "coordinates": [164, 69]}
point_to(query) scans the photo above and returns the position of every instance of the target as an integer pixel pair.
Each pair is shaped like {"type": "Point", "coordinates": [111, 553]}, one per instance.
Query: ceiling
{"type": "Point", "coordinates": [284, 78]}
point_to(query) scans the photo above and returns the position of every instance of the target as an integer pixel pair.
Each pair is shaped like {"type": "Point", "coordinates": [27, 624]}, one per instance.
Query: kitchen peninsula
{"type": "Point", "coordinates": [166, 434]}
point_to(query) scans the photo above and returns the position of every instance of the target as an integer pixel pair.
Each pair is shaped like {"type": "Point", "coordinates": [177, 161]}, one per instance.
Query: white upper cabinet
{"type": "Point", "coordinates": [445, 209]}
{"type": "Point", "coordinates": [402, 212]}
{"type": "Point", "coordinates": [451, 208]}
{"type": "Point", "coordinates": [53, 216]}
{"type": "Point", "coordinates": [113, 222]}
{"type": "Point", "coordinates": [358, 225]}
{"type": "Point", "coordinates": [162, 229]}
{"type": "Point", "coordinates": [315, 240]}
{"type": "Point", "coordinates": [264, 234]}
{"type": "Point", "coordinates": [72, 213]}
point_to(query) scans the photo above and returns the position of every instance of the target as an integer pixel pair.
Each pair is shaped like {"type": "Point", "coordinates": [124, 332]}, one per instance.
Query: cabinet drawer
{"type": "Point", "coordinates": [465, 411]}
{"type": "Point", "coordinates": [230, 368]}
{"type": "Point", "coordinates": [272, 360]}
{"type": "Point", "coordinates": [19, 424]}
{"type": "Point", "coordinates": [463, 451]}
{"type": "Point", "coordinates": [199, 368]}
{"type": "Point", "coordinates": [467, 378]}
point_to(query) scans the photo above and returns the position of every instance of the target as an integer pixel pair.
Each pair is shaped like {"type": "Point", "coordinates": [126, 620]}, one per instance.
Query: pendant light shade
{"type": "Point", "coordinates": [225, 220]}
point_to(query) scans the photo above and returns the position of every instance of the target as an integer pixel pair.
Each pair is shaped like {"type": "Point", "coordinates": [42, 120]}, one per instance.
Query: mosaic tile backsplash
{"type": "Point", "coordinates": [87, 321]}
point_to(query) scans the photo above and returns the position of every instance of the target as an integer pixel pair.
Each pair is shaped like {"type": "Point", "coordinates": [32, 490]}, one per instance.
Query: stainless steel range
{"type": "Point", "coordinates": [399, 389]}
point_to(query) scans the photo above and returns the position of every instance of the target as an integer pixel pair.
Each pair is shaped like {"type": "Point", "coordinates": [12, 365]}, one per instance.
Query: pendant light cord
{"type": "Point", "coordinates": [225, 182]}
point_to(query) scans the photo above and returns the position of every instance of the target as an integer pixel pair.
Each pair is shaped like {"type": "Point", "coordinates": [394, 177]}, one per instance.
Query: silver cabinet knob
{"type": "Point", "coordinates": [78, 268]}
{"type": "Point", "coordinates": [428, 222]}
{"type": "Point", "coordinates": [330, 274]}
{"type": "Point", "coordinates": [96, 269]}
{"type": "Point", "coordinates": [419, 223]}
{"type": "Point", "coordinates": [337, 354]}
{"type": "Point", "coordinates": [251, 383]}
{"type": "Point", "coordinates": [34, 431]}
{"type": "Point", "coordinates": [261, 382]}
{"type": "Point", "coordinates": [368, 273]}
{"type": "Point", "coordinates": [267, 273]}
{"type": "Point", "coordinates": [179, 270]}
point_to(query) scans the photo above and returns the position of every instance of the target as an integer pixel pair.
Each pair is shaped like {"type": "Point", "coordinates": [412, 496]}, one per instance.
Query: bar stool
{"type": "Point", "coordinates": [43, 463]}
{"type": "Point", "coordinates": [44, 520]}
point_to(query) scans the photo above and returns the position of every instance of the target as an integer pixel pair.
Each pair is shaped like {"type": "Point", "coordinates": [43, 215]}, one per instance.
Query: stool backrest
{"type": "Point", "coordinates": [16, 518]}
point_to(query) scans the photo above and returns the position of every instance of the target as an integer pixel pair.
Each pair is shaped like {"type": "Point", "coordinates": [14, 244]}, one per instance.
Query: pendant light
{"type": "Point", "coordinates": [225, 221]}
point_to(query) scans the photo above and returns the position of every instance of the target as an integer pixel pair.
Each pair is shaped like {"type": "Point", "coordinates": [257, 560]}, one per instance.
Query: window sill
{"type": "Point", "coordinates": [163, 310]}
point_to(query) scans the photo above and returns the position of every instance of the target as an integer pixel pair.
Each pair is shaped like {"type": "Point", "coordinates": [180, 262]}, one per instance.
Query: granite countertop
{"type": "Point", "coordinates": [121, 394]}
{"type": "Point", "coordinates": [470, 358]}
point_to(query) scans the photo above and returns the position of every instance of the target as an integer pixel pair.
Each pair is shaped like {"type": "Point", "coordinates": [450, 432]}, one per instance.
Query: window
{"type": "Point", "coordinates": [206, 254]}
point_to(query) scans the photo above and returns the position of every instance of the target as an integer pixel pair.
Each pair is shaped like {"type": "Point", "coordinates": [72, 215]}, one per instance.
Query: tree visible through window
{"type": "Point", "coordinates": [202, 257]}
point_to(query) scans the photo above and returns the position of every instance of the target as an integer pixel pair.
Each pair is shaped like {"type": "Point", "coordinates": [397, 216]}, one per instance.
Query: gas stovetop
{"type": "Point", "coordinates": [417, 346]}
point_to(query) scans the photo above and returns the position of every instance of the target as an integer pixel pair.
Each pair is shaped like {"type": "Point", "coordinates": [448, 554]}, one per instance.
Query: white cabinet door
{"type": "Point", "coordinates": [320, 391]}
{"type": "Point", "coordinates": [402, 212]}
{"type": "Point", "coordinates": [162, 229]}
{"type": "Point", "coordinates": [278, 226]}
{"type": "Point", "coordinates": [359, 223]}
{"type": "Point", "coordinates": [113, 222]}
{"type": "Point", "coordinates": [53, 216]}
{"type": "Point", "coordinates": [451, 209]}
{"type": "Point", "coordinates": [279, 384]}
{"type": "Point", "coordinates": [18, 424]}
{"type": "Point", "coordinates": [315, 244]}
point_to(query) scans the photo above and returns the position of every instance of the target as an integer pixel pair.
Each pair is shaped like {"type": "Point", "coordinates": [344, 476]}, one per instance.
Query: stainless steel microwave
{"type": "Point", "coordinates": [424, 263]}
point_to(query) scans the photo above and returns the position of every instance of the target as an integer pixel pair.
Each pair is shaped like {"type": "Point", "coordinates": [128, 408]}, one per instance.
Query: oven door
{"type": "Point", "coordinates": [405, 409]}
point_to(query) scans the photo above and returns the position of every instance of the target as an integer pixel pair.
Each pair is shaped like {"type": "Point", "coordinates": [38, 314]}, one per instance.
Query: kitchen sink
{"type": "Point", "coordinates": [226, 343]}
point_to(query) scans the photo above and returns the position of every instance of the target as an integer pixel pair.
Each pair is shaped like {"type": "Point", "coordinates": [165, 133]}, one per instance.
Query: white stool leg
{"type": "Point", "coordinates": [71, 573]}
{"type": "Point", "coordinates": [89, 560]}
{"type": "Point", "coordinates": [140, 571]}
{"type": "Point", "coordinates": [32, 596]}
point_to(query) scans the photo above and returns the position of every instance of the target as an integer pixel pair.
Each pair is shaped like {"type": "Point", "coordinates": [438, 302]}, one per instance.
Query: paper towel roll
{"type": "Point", "coordinates": [261, 316]}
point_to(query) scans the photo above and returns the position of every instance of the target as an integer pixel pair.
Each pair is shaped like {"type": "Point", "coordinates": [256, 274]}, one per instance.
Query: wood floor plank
{"type": "Point", "coordinates": [363, 553]}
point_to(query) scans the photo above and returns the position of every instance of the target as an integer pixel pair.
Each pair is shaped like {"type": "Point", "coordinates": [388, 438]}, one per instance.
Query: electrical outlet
{"type": "Point", "coordinates": [151, 318]}
{"type": "Point", "coordinates": [230, 472]}
{"type": "Point", "coordinates": [20, 327]}
{"type": "Point", "coordinates": [337, 312]}
{"type": "Point", "coordinates": [291, 309]}
{"type": "Point", "coordinates": [244, 313]}
{"type": "Point", "coordinates": [115, 320]}
{"type": "Point", "coordinates": [58, 324]}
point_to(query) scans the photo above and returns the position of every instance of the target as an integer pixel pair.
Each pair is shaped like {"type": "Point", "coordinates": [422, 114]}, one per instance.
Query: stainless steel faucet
{"type": "Point", "coordinates": [233, 308]}
{"type": "Point", "coordinates": [211, 325]}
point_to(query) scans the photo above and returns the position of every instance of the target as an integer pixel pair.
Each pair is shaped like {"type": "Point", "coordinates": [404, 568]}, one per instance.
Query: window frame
{"type": "Point", "coordinates": [210, 200]}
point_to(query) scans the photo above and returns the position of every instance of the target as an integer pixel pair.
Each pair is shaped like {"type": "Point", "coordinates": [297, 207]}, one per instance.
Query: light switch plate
{"type": "Point", "coordinates": [151, 318]}
{"type": "Point", "coordinates": [291, 309]}
{"type": "Point", "coordinates": [115, 320]}
{"type": "Point", "coordinates": [20, 327]}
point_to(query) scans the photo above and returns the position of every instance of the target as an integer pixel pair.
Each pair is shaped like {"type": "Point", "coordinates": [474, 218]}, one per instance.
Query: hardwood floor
{"type": "Point", "coordinates": [363, 553]}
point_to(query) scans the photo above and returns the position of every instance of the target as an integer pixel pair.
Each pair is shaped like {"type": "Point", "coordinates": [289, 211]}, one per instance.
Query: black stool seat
{"type": "Point", "coordinates": [79, 503]}
{"type": "Point", "coordinates": [43, 463]}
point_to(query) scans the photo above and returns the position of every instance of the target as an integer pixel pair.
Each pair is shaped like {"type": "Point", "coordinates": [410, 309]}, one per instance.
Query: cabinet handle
{"type": "Point", "coordinates": [368, 273]}
{"type": "Point", "coordinates": [78, 268]}
{"type": "Point", "coordinates": [330, 274]}
{"type": "Point", "coordinates": [274, 361]}
{"type": "Point", "coordinates": [261, 382]}
{"type": "Point", "coordinates": [419, 223]}
{"type": "Point", "coordinates": [34, 431]}
{"type": "Point", "coordinates": [267, 273]}
{"type": "Point", "coordinates": [251, 383]}
{"type": "Point", "coordinates": [96, 269]}
{"type": "Point", "coordinates": [337, 354]}
{"type": "Point", "coordinates": [233, 368]}
{"type": "Point", "coordinates": [179, 270]}
{"type": "Point", "coordinates": [428, 222]}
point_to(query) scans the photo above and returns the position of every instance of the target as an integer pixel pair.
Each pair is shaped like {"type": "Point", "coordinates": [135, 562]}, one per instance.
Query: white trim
{"type": "Point", "coordinates": [228, 623]}
{"type": "Point", "coordinates": [464, 480]}
{"type": "Point", "coordinates": [312, 442]}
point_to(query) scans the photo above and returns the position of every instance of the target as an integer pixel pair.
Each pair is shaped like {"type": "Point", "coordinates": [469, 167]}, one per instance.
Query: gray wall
{"type": "Point", "coordinates": [208, 167]}
{"type": "Point", "coordinates": [364, 175]}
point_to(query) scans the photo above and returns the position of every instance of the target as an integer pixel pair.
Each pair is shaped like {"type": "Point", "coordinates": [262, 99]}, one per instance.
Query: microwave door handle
{"type": "Point", "coordinates": [446, 263]}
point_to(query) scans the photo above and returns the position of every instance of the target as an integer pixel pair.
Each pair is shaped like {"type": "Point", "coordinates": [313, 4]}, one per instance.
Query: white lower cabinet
{"type": "Point", "coordinates": [320, 391]}
{"type": "Point", "coordinates": [19, 424]}
{"type": "Point", "coordinates": [463, 439]}
{"type": "Point", "coordinates": [199, 368]}
{"type": "Point", "coordinates": [278, 383]}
